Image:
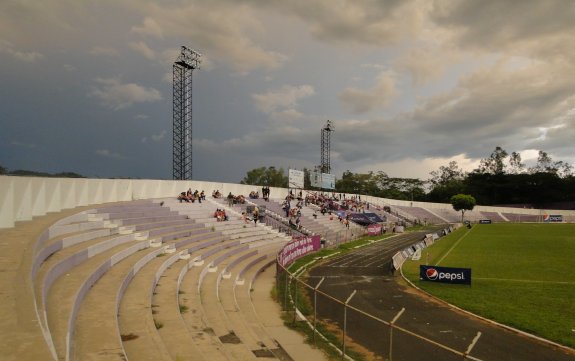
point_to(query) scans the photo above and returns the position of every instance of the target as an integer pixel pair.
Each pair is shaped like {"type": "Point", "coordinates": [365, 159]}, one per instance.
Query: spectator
{"type": "Point", "coordinates": [286, 207]}
{"type": "Point", "coordinates": [217, 215]}
{"type": "Point", "coordinates": [266, 193]}
{"type": "Point", "coordinates": [183, 197]}
{"type": "Point", "coordinates": [230, 200]}
{"type": "Point", "coordinates": [220, 215]}
{"type": "Point", "coordinates": [256, 215]}
{"type": "Point", "coordinates": [190, 195]}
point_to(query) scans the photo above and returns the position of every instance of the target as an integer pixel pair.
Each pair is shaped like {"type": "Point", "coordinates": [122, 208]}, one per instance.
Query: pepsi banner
{"type": "Point", "coordinates": [553, 218]}
{"type": "Point", "coordinates": [445, 274]}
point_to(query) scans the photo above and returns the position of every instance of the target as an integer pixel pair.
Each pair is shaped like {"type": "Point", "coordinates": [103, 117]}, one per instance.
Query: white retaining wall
{"type": "Point", "coordinates": [22, 198]}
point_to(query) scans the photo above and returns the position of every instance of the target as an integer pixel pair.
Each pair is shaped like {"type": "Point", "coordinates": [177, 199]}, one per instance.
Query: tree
{"type": "Point", "coordinates": [546, 165]}
{"type": "Point", "coordinates": [463, 202]}
{"type": "Point", "coordinates": [446, 174]}
{"type": "Point", "coordinates": [3, 170]}
{"type": "Point", "coordinates": [495, 163]}
{"type": "Point", "coordinates": [446, 182]}
{"type": "Point", "coordinates": [515, 164]}
{"type": "Point", "coordinates": [263, 176]}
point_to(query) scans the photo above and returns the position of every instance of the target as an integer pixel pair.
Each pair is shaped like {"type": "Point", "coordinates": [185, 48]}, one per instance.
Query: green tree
{"type": "Point", "coordinates": [3, 170]}
{"type": "Point", "coordinates": [463, 202]}
{"type": "Point", "coordinates": [266, 176]}
{"type": "Point", "coordinates": [495, 163]}
{"type": "Point", "coordinates": [446, 174]}
{"type": "Point", "coordinates": [515, 164]}
{"type": "Point", "coordinates": [348, 183]}
{"type": "Point", "coordinates": [446, 182]}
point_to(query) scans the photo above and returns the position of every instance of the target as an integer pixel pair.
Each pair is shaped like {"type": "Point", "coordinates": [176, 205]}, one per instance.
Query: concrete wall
{"type": "Point", "coordinates": [22, 198]}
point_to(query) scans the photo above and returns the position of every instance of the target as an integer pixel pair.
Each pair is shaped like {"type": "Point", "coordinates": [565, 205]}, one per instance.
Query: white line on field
{"type": "Point", "coordinates": [455, 245]}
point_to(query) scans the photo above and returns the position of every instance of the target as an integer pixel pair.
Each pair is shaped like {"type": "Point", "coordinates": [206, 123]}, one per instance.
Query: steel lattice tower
{"type": "Point", "coordinates": [325, 146]}
{"type": "Point", "coordinates": [182, 113]}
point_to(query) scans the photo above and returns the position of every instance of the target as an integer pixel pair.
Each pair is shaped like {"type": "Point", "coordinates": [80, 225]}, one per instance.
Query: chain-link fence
{"type": "Point", "coordinates": [350, 331]}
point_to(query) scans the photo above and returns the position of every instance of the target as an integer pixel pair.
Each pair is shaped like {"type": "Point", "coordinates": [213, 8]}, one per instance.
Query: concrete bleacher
{"type": "Point", "coordinates": [422, 215]}
{"type": "Point", "coordinates": [90, 266]}
{"type": "Point", "coordinates": [518, 217]}
{"type": "Point", "coordinates": [494, 216]}
{"type": "Point", "coordinates": [106, 278]}
{"type": "Point", "coordinates": [327, 226]}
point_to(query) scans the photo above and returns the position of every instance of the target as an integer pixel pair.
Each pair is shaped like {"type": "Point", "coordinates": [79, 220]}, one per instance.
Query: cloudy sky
{"type": "Point", "coordinates": [85, 86]}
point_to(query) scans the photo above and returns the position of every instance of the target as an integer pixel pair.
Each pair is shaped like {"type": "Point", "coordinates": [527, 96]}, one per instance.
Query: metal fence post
{"type": "Point", "coordinates": [345, 322]}
{"type": "Point", "coordinates": [295, 301]}
{"type": "Point", "coordinates": [391, 332]}
{"type": "Point", "coordinates": [287, 275]}
{"type": "Point", "coordinates": [315, 307]}
{"type": "Point", "coordinates": [471, 345]}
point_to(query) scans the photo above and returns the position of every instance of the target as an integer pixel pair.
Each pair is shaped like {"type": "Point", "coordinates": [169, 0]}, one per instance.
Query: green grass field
{"type": "Point", "coordinates": [523, 275]}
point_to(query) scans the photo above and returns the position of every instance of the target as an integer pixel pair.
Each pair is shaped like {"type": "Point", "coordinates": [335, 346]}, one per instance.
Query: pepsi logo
{"type": "Point", "coordinates": [431, 273]}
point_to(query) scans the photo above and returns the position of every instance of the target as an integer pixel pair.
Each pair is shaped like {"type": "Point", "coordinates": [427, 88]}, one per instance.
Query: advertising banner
{"type": "Point", "coordinates": [295, 178]}
{"type": "Point", "coordinates": [397, 260]}
{"type": "Point", "coordinates": [322, 180]}
{"type": "Point", "coordinates": [445, 274]}
{"type": "Point", "coordinates": [485, 221]}
{"type": "Point", "coordinates": [315, 179]}
{"type": "Point", "coordinates": [375, 218]}
{"type": "Point", "coordinates": [297, 248]}
{"type": "Point", "coordinates": [327, 181]}
{"type": "Point", "coordinates": [553, 218]}
{"type": "Point", "coordinates": [359, 218]}
{"type": "Point", "coordinates": [374, 229]}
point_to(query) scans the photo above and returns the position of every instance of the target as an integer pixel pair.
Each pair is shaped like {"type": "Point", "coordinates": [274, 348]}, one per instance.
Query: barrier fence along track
{"type": "Point", "coordinates": [288, 284]}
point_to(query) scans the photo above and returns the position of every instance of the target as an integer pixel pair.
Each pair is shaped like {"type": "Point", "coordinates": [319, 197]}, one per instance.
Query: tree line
{"type": "Point", "coordinates": [30, 173]}
{"type": "Point", "coordinates": [500, 179]}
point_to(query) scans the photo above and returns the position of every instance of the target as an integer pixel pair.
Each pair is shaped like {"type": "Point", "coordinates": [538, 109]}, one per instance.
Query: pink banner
{"type": "Point", "coordinates": [374, 229]}
{"type": "Point", "coordinates": [297, 248]}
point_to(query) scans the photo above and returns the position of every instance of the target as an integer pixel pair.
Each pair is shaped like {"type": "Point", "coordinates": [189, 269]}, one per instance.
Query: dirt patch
{"type": "Point", "coordinates": [230, 338]}
{"type": "Point", "coordinates": [129, 337]}
{"type": "Point", "coordinates": [264, 352]}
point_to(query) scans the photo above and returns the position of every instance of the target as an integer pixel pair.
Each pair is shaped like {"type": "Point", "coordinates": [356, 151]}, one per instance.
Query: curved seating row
{"type": "Point", "coordinates": [326, 225]}
{"type": "Point", "coordinates": [120, 282]}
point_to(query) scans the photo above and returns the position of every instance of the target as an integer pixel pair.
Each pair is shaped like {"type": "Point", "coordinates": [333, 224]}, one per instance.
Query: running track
{"type": "Point", "coordinates": [383, 295]}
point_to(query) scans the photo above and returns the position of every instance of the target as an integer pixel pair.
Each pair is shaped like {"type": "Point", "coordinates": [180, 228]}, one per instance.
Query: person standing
{"type": "Point", "coordinates": [256, 215]}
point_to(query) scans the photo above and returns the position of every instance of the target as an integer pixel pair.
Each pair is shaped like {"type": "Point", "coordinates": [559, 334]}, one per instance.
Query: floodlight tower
{"type": "Point", "coordinates": [187, 62]}
{"type": "Point", "coordinates": [325, 146]}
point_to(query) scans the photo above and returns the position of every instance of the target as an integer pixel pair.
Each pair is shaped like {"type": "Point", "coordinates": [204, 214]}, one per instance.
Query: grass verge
{"type": "Point", "coordinates": [521, 275]}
